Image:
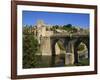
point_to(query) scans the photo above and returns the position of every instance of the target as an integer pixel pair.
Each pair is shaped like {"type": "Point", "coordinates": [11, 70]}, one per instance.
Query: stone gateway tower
{"type": "Point", "coordinates": [41, 30]}
{"type": "Point", "coordinates": [43, 38]}
{"type": "Point", "coordinates": [44, 42]}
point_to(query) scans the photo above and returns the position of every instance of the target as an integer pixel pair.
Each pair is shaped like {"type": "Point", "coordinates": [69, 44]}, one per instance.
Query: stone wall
{"type": "Point", "coordinates": [57, 49]}
{"type": "Point", "coordinates": [45, 46]}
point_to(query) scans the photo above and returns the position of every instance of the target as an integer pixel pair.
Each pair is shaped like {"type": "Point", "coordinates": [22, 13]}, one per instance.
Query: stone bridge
{"type": "Point", "coordinates": [70, 40]}
{"type": "Point", "coordinates": [70, 43]}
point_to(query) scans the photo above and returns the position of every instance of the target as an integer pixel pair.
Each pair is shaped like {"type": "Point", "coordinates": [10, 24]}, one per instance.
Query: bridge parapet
{"type": "Point", "coordinates": [70, 35]}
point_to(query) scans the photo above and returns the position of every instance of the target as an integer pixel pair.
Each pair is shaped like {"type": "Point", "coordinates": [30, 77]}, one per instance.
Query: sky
{"type": "Point", "coordinates": [55, 18]}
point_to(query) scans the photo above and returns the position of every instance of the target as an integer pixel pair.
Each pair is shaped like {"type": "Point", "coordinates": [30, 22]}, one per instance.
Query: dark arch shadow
{"type": "Point", "coordinates": [53, 58]}
{"type": "Point", "coordinates": [86, 42]}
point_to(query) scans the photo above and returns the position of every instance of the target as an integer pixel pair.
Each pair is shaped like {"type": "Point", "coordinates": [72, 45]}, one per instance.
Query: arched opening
{"type": "Point", "coordinates": [81, 54]}
{"type": "Point", "coordinates": [58, 55]}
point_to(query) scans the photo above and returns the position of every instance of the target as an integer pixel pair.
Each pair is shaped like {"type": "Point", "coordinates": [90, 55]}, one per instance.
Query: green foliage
{"type": "Point", "coordinates": [27, 29]}
{"type": "Point", "coordinates": [83, 62]}
{"type": "Point", "coordinates": [80, 47]}
{"type": "Point", "coordinates": [56, 26]}
{"type": "Point", "coordinates": [60, 45]}
{"type": "Point", "coordinates": [68, 26]}
{"type": "Point", "coordinates": [30, 47]}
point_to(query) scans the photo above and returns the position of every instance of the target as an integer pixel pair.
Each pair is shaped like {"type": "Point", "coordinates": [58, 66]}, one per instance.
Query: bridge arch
{"type": "Point", "coordinates": [57, 55]}
{"type": "Point", "coordinates": [85, 41]}
{"type": "Point", "coordinates": [71, 47]}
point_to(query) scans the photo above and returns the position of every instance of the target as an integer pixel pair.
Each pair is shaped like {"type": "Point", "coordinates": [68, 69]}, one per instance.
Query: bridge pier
{"type": "Point", "coordinates": [69, 57]}
{"type": "Point", "coordinates": [71, 45]}
{"type": "Point", "coordinates": [75, 56]}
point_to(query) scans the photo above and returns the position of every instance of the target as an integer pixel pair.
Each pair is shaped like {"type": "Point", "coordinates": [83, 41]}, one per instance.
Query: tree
{"type": "Point", "coordinates": [30, 47]}
{"type": "Point", "coordinates": [56, 26]}
{"type": "Point", "coordinates": [68, 26]}
{"type": "Point", "coordinates": [25, 30]}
